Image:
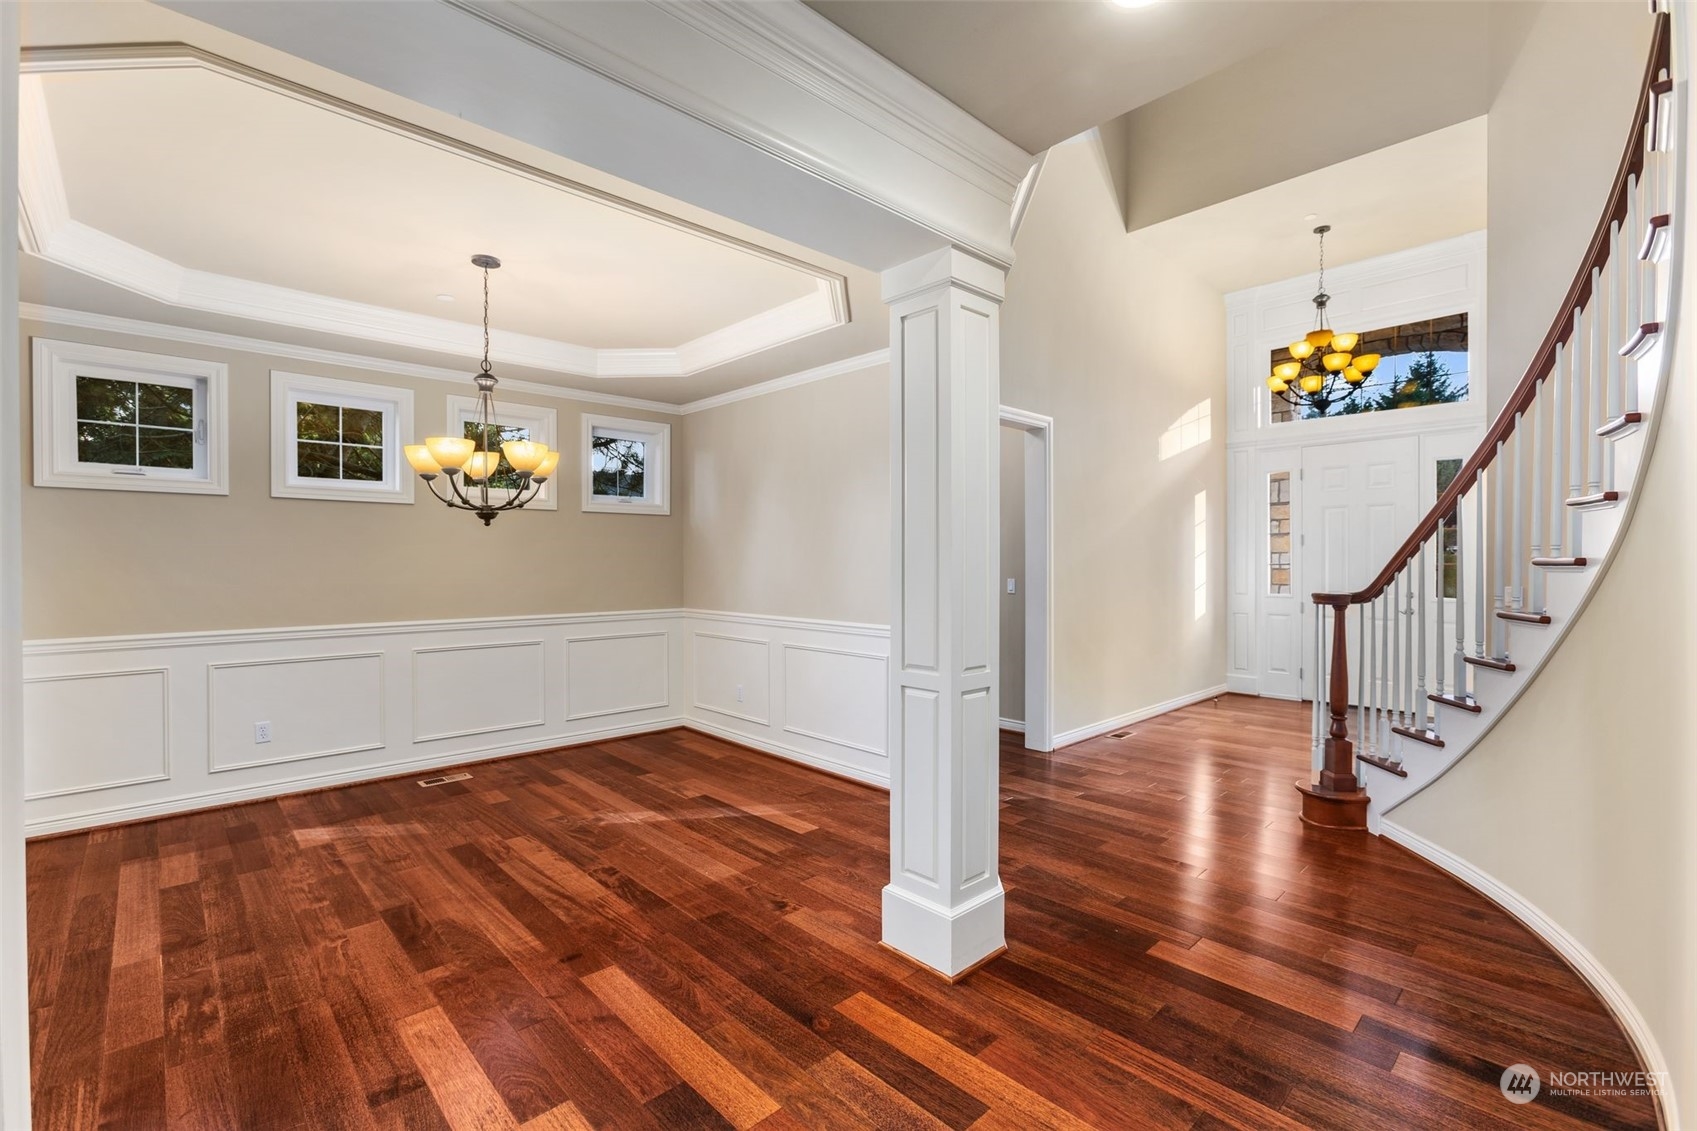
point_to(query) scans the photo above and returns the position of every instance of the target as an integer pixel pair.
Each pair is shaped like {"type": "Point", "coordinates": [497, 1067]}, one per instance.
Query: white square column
{"type": "Point", "coordinates": [943, 906]}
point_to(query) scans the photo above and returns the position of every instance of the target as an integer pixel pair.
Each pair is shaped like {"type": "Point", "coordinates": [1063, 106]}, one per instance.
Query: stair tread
{"type": "Point", "coordinates": [1383, 763]}
{"type": "Point", "coordinates": [1623, 425]}
{"type": "Point", "coordinates": [1561, 563]}
{"type": "Point", "coordinates": [1520, 617]}
{"type": "Point", "coordinates": [1600, 499]}
{"type": "Point", "coordinates": [1655, 236]}
{"type": "Point", "coordinates": [1418, 735]}
{"type": "Point", "coordinates": [1491, 662]}
{"type": "Point", "coordinates": [1641, 339]}
{"type": "Point", "coordinates": [1470, 705]}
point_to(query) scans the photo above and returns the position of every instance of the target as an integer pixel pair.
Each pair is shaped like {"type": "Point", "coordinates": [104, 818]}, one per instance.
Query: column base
{"type": "Point", "coordinates": [952, 941]}
{"type": "Point", "coordinates": [1333, 809]}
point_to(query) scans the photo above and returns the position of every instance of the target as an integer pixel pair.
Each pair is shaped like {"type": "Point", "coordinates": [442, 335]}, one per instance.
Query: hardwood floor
{"type": "Point", "coordinates": [669, 931]}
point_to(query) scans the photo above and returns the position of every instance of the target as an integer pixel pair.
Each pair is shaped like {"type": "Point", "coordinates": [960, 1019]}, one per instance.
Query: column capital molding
{"type": "Point", "coordinates": [947, 266]}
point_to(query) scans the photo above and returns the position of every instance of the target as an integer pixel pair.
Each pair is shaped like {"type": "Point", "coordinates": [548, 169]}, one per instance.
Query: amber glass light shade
{"type": "Point", "coordinates": [1367, 362]}
{"type": "Point", "coordinates": [1302, 351]}
{"type": "Point", "coordinates": [1344, 343]}
{"type": "Point", "coordinates": [482, 465]}
{"type": "Point", "coordinates": [1277, 384]}
{"type": "Point", "coordinates": [1335, 361]}
{"type": "Point", "coordinates": [422, 461]}
{"type": "Point", "coordinates": [1353, 375]}
{"type": "Point", "coordinates": [1312, 383]}
{"type": "Point", "coordinates": [1287, 371]}
{"type": "Point", "coordinates": [524, 455]}
{"type": "Point", "coordinates": [1319, 339]}
{"type": "Point", "coordinates": [547, 466]}
{"type": "Point", "coordinates": [450, 451]}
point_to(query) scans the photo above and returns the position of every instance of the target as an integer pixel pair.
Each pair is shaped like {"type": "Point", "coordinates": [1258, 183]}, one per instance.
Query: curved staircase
{"type": "Point", "coordinates": [1429, 655]}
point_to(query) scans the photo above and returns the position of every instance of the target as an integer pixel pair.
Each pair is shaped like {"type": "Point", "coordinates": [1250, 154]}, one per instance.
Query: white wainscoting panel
{"type": "Point", "coordinates": [617, 673]}
{"type": "Point", "coordinates": [317, 706]}
{"type": "Point", "coordinates": [733, 676]}
{"type": "Point", "coordinates": [836, 695]}
{"type": "Point", "coordinates": [827, 691]}
{"type": "Point", "coordinates": [124, 728]}
{"type": "Point", "coordinates": [465, 689]}
{"type": "Point", "coordinates": [95, 730]}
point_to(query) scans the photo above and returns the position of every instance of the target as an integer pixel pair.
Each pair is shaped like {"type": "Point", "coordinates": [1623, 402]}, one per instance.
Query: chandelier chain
{"type": "Point", "coordinates": [486, 309]}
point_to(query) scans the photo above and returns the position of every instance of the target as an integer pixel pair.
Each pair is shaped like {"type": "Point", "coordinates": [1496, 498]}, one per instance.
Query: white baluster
{"type": "Point", "coordinates": [1598, 318]}
{"type": "Point", "coordinates": [1361, 676]}
{"type": "Point", "coordinates": [1517, 518]}
{"type": "Point", "coordinates": [1614, 315]}
{"type": "Point", "coordinates": [1481, 488]}
{"type": "Point", "coordinates": [1438, 616]}
{"type": "Point", "coordinates": [1499, 543]}
{"type": "Point", "coordinates": [1314, 743]}
{"type": "Point", "coordinates": [1460, 658]}
{"type": "Point", "coordinates": [1324, 691]}
{"type": "Point", "coordinates": [1535, 600]}
{"type": "Point", "coordinates": [1577, 401]}
{"type": "Point", "coordinates": [1558, 450]}
{"type": "Point", "coordinates": [1408, 653]}
{"type": "Point", "coordinates": [1396, 651]}
{"type": "Point", "coordinates": [1419, 699]}
{"type": "Point", "coordinates": [1635, 271]}
{"type": "Point", "coordinates": [1370, 646]}
{"type": "Point", "coordinates": [1384, 674]}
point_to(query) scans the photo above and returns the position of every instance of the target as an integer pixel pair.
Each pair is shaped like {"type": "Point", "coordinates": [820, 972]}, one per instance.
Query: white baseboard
{"type": "Point", "coordinates": [1067, 738]}
{"type": "Point", "coordinates": [1015, 725]}
{"type": "Point", "coordinates": [822, 762]}
{"type": "Point", "coordinates": [1584, 963]}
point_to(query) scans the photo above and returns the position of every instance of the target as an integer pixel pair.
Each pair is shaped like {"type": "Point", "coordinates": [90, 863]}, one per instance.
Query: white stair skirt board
{"type": "Point", "coordinates": [127, 728]}
{"type": "Point", "coordinates": [1067, 738]}
{"type": "Point", "coordinates": [1584, 963]}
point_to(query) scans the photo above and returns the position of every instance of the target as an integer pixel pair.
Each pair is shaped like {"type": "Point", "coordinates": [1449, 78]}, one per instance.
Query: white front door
{"type": "Point", "coordinates": [1358, 501]}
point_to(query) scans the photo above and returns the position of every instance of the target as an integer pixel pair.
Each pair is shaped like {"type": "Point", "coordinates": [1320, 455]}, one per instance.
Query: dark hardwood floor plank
{"type": "Point", "coordinates": [671, 931]}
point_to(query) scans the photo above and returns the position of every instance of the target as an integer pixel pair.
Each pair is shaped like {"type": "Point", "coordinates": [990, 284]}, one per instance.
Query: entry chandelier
{"type": "Point", "coordinates": [1324, 369]}
{"type": "Point", "coordinates": [471, 464]}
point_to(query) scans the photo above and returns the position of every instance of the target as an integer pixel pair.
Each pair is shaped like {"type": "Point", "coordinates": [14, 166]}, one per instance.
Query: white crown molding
{"type": "Point", "coordinates": [801, 46]}
{"type": "Point", "coordinates": [160, 331]}
{"type": "Point", "coordinates": [50, 232]}
{"type": "Point", "coordinates": [778, 384]}
{"type": "Point", "coordinates": [109, 323]}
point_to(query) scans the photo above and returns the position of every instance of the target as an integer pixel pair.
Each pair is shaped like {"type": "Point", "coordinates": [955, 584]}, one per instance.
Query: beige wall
{"type": "Point", "coordinates": [1554, 137]}
{"type": "Point", "coordinates": [1116, 343]}
{"type": "Point", "coordinates": [786, 498]}
{"type": "Point", "coordinates": [99, 563]}
{"type": "Point", "coordinates": [1013, 565]}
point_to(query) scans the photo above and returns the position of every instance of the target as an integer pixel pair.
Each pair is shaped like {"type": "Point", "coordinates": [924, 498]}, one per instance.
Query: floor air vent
{"type": "Point", "coordinates": [443, 780]}
{"type": "Point", "coordinates": [1122, 734]}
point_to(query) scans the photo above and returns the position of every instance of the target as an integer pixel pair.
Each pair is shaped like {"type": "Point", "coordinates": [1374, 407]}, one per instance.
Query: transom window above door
{"type": "Point", "coordinates": [334, 439]}
{"type": "Point", "coordinates": [1420, 363]}
{"type": "Point", "coordinates": [121, 420]}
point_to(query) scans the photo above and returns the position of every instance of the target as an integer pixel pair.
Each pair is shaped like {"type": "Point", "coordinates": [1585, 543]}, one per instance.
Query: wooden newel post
{"type": "Point", "coordinates": [1335, 799]}
{"type": "Point", "coordinates": [1338, 772]}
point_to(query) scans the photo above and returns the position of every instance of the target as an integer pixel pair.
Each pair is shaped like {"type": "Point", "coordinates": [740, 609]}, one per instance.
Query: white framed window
{"type": "Point", "coordinates": [513, 422]}
{"type": "Point", "coordinates": [119, 420]}
{"type": "Point", "coordinates": [334, 439]}
{"type": "Point", "coordinates": [626, 464]}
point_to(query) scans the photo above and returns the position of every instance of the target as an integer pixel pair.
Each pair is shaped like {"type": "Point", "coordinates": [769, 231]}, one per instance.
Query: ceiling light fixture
{"type": "Point", "coordinates": [1323, 369]}
{"type": "Point", "coordinates": [491, 467]}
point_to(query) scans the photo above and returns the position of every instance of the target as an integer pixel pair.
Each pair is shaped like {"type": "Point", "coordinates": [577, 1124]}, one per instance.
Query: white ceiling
{"type": "Point", "coordinates": [1041, 71]}
{"type": "Point", "coordinates": [250, 194]}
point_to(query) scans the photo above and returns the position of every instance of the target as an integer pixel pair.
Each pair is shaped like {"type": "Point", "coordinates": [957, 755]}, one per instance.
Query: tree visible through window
{"type": "Point", "coordinates": [1420, 363]}
{"type": "Point", "coordinates": [337, 442]}
{"type": "Point", "coordinates": [499, 434]}
{"type": "Point", "coordinates": [134, 423]}
{"type": "Point", "coordinates": [1447, 471]}
{"type": "Point", "coordinates": [616, 466]}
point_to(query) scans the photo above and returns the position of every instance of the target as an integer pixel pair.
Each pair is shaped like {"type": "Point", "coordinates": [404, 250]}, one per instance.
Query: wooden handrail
{"type": "Point", "coordinates": [1631, 162]}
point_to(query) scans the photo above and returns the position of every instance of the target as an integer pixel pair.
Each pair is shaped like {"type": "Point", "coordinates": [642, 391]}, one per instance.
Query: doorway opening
{"type": "Point", "coordinates": [1026, 592]}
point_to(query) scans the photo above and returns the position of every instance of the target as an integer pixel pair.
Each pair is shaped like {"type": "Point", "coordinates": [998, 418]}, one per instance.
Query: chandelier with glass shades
{"type": "Point", "coordinates": [1324, 370]}
{"type": "Point", "coordinates": [472, 464]}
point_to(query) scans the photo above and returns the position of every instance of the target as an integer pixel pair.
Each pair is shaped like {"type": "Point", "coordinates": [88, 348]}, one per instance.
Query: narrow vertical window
{"type": "Point", "coordinates": [1448, 469]}
{"type": "Point", "coordinates": [1278, 534]}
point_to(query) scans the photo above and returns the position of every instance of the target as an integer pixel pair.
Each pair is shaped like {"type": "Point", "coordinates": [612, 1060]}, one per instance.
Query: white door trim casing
{"type": "Point", "coordinates": [1039, 723]}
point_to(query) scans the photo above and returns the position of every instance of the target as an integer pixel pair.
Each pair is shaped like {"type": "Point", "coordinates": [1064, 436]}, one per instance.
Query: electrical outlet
{"type": "Point", "coordinates": [739, 693]}
{"type": "Point", "coordinates": [1011, 587]}
{"type": "Point", "coordinates": [261, 732]}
